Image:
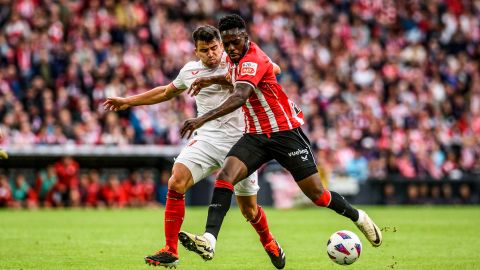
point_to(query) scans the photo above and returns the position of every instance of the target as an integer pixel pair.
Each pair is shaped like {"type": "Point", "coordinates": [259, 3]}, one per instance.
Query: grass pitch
{"type": "Point", "coordinates": [414, 238]}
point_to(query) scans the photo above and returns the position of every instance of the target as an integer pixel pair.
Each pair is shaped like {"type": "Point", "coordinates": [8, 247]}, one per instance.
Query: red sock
{"type": "Point", "coordinates": [261, 226]}
{"type": "Point", "coordinates": [174, 213]}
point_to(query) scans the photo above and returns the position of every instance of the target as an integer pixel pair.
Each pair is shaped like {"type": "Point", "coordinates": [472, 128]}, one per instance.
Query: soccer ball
{"type": "Point", "coordinates": [344, 247]}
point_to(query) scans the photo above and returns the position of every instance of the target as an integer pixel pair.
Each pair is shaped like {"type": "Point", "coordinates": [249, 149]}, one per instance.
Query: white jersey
{"type": "Point", "coordinates": [227, 128]}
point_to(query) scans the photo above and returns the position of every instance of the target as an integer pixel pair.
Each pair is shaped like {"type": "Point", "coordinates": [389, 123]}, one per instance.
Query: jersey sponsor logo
{"type": "Point", "coordinates": [195, 72]}
{"type": "Point", "coordinates": [249, 68]}
{"type": "Point", "coordinates": [304, 158]}
{"type": "Point", "coordinates": [298, 152]}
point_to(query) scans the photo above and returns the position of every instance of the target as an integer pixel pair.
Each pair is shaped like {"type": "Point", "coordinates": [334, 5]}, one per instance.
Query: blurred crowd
{"type": "Point", "coordinates": [64, 184]}
{"type": "Point", "coordinates": [387, 87]}
{"type": "Point", "coordinates": [430, 193]}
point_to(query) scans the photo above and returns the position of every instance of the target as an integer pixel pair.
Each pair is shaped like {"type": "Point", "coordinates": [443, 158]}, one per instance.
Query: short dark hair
{"type": "Point", "coordinates": [230, 22]}
{"type": "Point", "coordinates": [205, 33]}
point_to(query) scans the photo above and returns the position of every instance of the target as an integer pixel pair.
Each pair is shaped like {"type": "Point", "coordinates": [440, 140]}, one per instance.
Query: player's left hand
{"type": "Point", "coordinates": [190, 126]}
{"type": "Point", "coordinates": [197, 85]}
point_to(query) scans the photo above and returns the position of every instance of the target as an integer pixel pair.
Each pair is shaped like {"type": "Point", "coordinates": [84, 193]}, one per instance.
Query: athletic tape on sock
{"type": "Point", "coordinates": [324, 199]}
{"type": "Point", "coordinates": [223, 184]}
{"type": "Point", "coordinates": [172, 194]}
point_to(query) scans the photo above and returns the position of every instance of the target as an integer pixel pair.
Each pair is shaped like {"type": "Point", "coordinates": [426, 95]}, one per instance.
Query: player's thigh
{"type": "Point", "coordinates": [292, 150]}
{"type": "Point", "coordinates": [200, 159]}
{"type": "Point", "coordinates": [233, 170]}
{"type": "Point", "coordinates": [250, 149]}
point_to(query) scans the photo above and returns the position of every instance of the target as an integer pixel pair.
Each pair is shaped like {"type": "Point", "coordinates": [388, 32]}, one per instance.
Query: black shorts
{"type": "Point", "coordinates": [291, 148]}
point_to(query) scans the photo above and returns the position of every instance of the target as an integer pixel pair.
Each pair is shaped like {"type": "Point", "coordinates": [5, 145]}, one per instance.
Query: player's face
{"type": "Point", "coordinates": [210, 53]}
{"type": "Point", "coordinates": [234, 45]}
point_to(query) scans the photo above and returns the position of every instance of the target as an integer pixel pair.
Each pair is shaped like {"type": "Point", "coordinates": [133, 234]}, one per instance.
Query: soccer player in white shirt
{"type": "Point", "coordinates": [206, 151]}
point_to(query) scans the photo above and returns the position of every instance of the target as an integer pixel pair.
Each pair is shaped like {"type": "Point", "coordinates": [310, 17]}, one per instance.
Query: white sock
{"type": "Point", "coordinates": [361, 216]}
{"type": "Point", "coordinates": [210, 239]}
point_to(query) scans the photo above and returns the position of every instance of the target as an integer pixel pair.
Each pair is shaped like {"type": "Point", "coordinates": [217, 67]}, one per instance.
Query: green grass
{"type": "Point", "coordinates": [417, 238]}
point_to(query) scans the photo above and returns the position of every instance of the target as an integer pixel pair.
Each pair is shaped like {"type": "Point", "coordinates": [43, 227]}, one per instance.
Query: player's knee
{"type": "Point", "coordinates": [314, 191]}
{"type": "Point", "coordinates": [178, 184]}
{"type": "Point", "coordinates": [225, 176]}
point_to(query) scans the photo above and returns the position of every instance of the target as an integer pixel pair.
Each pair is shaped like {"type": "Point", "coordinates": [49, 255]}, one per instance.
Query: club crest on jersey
{"type": "Point", "coordinates": [249, 68]}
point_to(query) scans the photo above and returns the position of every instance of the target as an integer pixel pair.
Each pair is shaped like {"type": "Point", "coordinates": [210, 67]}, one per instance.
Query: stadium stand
{"type": "Point", "coordinates": [390, 89]}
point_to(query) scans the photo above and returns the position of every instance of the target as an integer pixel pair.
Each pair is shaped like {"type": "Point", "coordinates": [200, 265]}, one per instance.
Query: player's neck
{"type": "Point", "coordinates": [247, 47]}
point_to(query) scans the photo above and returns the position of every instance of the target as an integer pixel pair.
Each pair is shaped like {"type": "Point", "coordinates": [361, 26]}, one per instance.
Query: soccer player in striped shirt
{"type": "Point", "coordinates": [206, 152]}
{"type": "Point", "coordinates": [272, 131]}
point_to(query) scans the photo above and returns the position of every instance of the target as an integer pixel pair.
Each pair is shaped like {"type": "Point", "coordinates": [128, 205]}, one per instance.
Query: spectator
{"type": "Point", "coordinates": [149, 187]}
{"type": "Point", "coordinates": [389, 194]}
{"type": "Point", "coordinates": [162, 187]}
{"type": "Point", "coordinates": [357, 167]}
{"type": "Point", "coordinates": [424, 194]}
{"type": "Point", "coordinates": [466, 196]}
{"type": "Point", "coordinates": [114, 194]}
{"type": "Point", "coordinates": [46, 180]}
{"type": "Point", "coordinates": [84, 181]}
{"type": "Point", "coordinates": [412, 194]}
{"type": "Point", "coordinates": [5, 191]}
{"type": "Point", "coordinates": [135, 189]}
{"type": "Point", "coordinates": [93, 188]}
{"type": "Point", "coordinates": [436, 195]}
{"type": "Point", "coordinates": [67, 184]}
{"type": "Point", "coordinates": [22, 194]}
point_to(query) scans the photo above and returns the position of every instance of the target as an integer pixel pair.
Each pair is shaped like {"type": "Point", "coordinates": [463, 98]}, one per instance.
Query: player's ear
{"type": "Point", "coordinates": [195, 50]}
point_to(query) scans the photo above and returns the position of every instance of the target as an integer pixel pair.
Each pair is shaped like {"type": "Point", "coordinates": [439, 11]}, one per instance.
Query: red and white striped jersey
{"type": "Point", "coordinates": [268, 109]}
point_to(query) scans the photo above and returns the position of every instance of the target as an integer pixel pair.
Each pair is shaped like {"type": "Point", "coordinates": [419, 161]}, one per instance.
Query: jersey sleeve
{"type": "Point", "coordinates": [179, 81]}
{"type": "Point", "coordinates": [252, 70]}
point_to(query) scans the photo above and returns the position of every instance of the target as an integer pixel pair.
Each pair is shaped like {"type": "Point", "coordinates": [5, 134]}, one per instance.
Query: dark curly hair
{"type": "Point", "coordinates": [230, 22]}
{"type": "Point", "coordinates": [205, 33]}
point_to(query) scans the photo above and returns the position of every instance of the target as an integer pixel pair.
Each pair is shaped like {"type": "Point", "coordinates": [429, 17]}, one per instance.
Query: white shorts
{"type": "Point", "coordinates": [203, 158]}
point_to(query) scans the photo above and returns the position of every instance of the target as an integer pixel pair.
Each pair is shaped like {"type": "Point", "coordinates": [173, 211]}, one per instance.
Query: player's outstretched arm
{"type": "Point", "coordinates": [156, 95]}
{"type": "Point", "coordinates": [203, 82]}
{"type": "Point", "coordinates": [240, 95]}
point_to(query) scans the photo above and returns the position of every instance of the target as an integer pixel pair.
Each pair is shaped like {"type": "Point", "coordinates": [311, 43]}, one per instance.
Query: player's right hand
{"type": "Point", "coordinates": [197, 85]}
{"type": "Point", "coordinates": [116, 104]}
